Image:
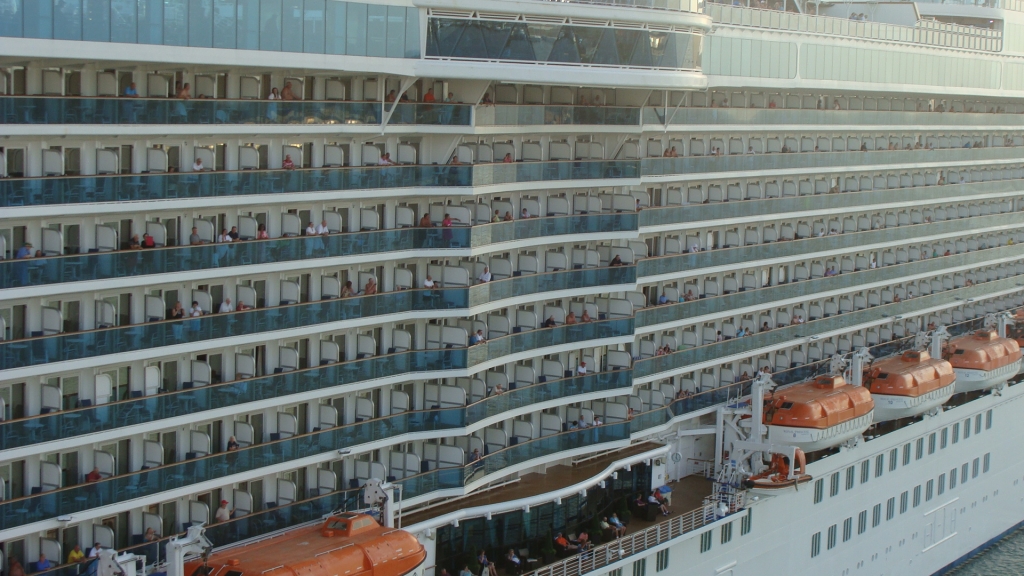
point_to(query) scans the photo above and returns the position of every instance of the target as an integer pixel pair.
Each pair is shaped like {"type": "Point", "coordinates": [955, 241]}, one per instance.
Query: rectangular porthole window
{"type": "Point", "coordinates": [988, 420]}
{"type": "Point", "coordinates": [727, 533]}
{"type": "Point", "coordinates": [956, 433]}
{"type": "Point", "coordinates": [906, 454]}
{"type": "Point", "coordinates": [849, 478]}
{"type": "Point", "coordinates": [662, 561]}
{"type": "Point", "coordinates": [919, 449]}
{"type": "Point", "coordinates": [879, 465]}
{"type": "Point", "coordinates": [890, 508]}
{"type": "Point", "coordinates": [917, 496]}
{"type": "Point", "coordinates": [903, 503]}
{"type": "Point", "coordinates": [963, 473]}
{"type": "Point", "coordinates": [985, 465]}
{"type": "Point", "coordinates": [847, 529]}
{"type": "Point", "coordinates": [977, 424]}
{"type": "Point", "coordinates": [967, 429]}
{"type": "Point", "coordinates": [876, 515]}
{"type": "Point", "coordinates": [974, 467]}
{"type": "Point", "coordinates": [815, 544]}
{"type": "Point", "coordinates": [834, 486]}
{"type": "Point", "coordinates": [952, 478]}
{"type": "Point", "coordinates": [640, 567]}
{"type": "Point", "coordinates": [944, 438]}
{"type": "Point", "coordinates": [747, 522]}
{"type": "Point", "coordinates": [929, 490]}
{"type": "Point", "coordinates": [705, 541]}
{"type": "Point", "coordinates": [862, 521]}
{"type": "Point", "coordinates": [942, 484]}
{"type": "Point", "coordinates": [865, 471]}
{"type": "Point", "coordinates": [833, 530]}
{"type": "Point", "coordinates": [819, 490]}
{"type": "Point", "coordinates": [893, 459]}
{"type": "Point", "coordinates": [931, 443]}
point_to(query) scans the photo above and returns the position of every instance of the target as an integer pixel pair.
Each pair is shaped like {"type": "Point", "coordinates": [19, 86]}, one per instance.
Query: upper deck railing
{"type": "Point", "coordinates": [930, 33]}
{"type": "Point", "coordinates": [1016, 5]}
{"type": "Point", "coordinates": [677, 5]}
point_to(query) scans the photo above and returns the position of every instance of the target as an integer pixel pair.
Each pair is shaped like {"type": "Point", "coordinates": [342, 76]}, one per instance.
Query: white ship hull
{"type": "Point", "coordinates": [892, 407]}
{"type": "Point", "coordinates": [811, 439]}
{"type": "Point", "coordinates": [941, 526]}
{"type": "Point", "coordinates": [974, 380]}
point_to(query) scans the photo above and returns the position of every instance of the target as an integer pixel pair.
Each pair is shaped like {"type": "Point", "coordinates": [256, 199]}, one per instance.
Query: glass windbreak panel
{"type": "Point", "coordinates": [314, 23]}
{"type": "Point", "coordinates": [38, 18]}
{"type": "Point", "coordinates": [39, 271]}
{"type": "Point", "coordinates": [292, 24]}
{"type": "Point", "coordinates": [782, 116]}
{"type": "Point", "coordinates": [336, 28]}
{"type": "Point", "coordinates": [270, 25]}
{"type": "Point", "coordinates": [356, 30]}
{"type": "Point", "coordinates": [95, 20]}
{"type": "Point", "coordinates": [224, 24]}
{"type": "Point", "coordinates": [12, 18]}
{"type": "Point", "coordinates": [176, 22]}
{"type": "Point", "coordinates": [67, 19]}
{"type": "Point", "coordinates": [376, 30]}
{"type": "Point", "coordinates": [248, 22]}
{"type": "Point", "coordinates": [151, 21]}
{"type": "Point", "coordinates": [200, 23]}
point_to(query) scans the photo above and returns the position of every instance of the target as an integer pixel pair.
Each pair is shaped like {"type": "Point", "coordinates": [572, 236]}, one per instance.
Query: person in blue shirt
{"type": "Point", "coordinates": [24, 252]}
{"type": "Point", "coordinates": [43, 563]}
{"type": "Point", "coordinates": [130, 91]}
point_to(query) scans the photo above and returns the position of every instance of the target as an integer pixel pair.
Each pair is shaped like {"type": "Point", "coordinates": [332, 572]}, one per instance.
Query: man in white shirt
{"type": "Point", "coordinates": [95, 550]}
{"type": "Point", "coordinates": [485, 276]}
{"type": "Point", "coordinates": [195, 310]}
{"type": "Point", "coordinates": [322, 229]}
{"type": "Point", "coordinates": [524, 213]}
{"type": "Point", "coordinates": [197, 166]}
{"type": "Point", "coordinates": [581, 370]}
{"type": "Point", "coordinates": [477, 338]}
{"type": "Point", "coordinates": [310, 230]}
{"type": "Point", "coordinates": [429, 282]}
{"type": "Point", "coordinates": [226, 306]}
{"type": "Point", "coordinates": [222, 514]}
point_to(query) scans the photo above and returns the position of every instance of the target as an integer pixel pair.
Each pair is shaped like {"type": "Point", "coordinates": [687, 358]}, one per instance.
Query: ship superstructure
{"type": "Point", "coordinates": [519, 260]}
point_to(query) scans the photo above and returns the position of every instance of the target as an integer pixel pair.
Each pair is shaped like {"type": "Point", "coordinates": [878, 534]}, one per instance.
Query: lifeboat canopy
{"type": "Point", "coordinates": [913, 373]}
{"type": "Point", "coordinates": [820, 403]}
{"type": "Point", "coordinates": [984, 350]}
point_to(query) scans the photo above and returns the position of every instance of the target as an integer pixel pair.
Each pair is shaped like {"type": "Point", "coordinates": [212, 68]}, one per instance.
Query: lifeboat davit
{"type": "Point", "coordinates": [909, 385]}
{"type": "Point", "coordinates": [344, 545]}
{"type": "Point", "coordinates": [982, 360]}
{"type": "Point", "coordinates": [821, 413]}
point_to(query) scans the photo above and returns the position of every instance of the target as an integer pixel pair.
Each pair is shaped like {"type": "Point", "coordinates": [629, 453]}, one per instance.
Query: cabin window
{"type": "Point", "coordinates": [952, 478]}
{"type": "Point", "coordinates": [865, 471]}
{"type": "Point", "coordinates": [944, 438]}
{"type": "Point", "coordinates": [847, 529]}
{"type": "Point", "coordinates": [956, 433]}
{"type": "Point", "coordinates": [917, 496]}
{"type": "Point", "coordinates": [862, 521]}
{"type": "Point", "coordinates": [929, 490]}
{"type": "Point", "coordinates": [640, 567]}
{"type": "Point", "coordinates": [988, 420]}
{"type": "Point", "coordinates": [906, 454]}
{"type": "Point", "coordinates": [879, 465]}
{"type": "Point", "coordinates": [890, 508]}
{"type": "Point", "coordinates": [919, 449]}
{"type": "Point", "coordinates": [893, 455]}
{"type": "Point", "coordinates": [819, 490]}
{"type": "Point", "coordinates": [849, 478]}
{"type": "Point", "coordinates": [967, 429]}
{"type": "Point", "coordinates": [726, 533]}
{"type": "Point", "coordinates": [662, 560]}
{"type": "Point", "coordinates": [834, 487]}
{"type": "Point", "coordinates": [833, 530]}
{"type": "Point", "coordinates": [746, 522]}
{"type": "Point", "coordinates": [931, 443]}
{"type": "Point", "coordinates": [876, 515]}
{"type": "Point", "coordinates": [942, 484]}
{"type": "Point", "coordinates": [988, 459]}
{"type": "Point", "coordinates": [815, 544]}
{"type": "Point", "coordinates": [903, 503]}
{"type": "Point", "coordinates": [974, 467]}
{"type": "Point", "coordinates": [963, 473]}
{"type": "Point", "coordinates": [705, 541]}
{"type": "Point", "coordinates": [977, 424]}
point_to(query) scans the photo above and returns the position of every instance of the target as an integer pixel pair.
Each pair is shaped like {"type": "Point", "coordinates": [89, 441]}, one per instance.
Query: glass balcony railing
{"type": "Point", "coordinates": [171, 476]}
{"type": "Point", "coordinates": [106, 265]}
{"type": "Point", "coordinates": [510, 115]}
{"type": "Point", "coordinates": [97, 110]}
{"type": "Point", "coordinates": [652, 367]}
{"type": "Point", "coordinates": [660, 216]}
{"type": "Point", "coordinates": [433, 113]}
{"type": "Point", "coordinates": [787, 117]}
{"type": "Point", "coordinates": [679, 262]}
{"type": "Point", "coordinates": [63, 424]}
{"type": "Point", "coordinates": [930, 33]}
{"type": "Point", "coordinates": [90, 344]}
{"type": "Point", "coordinates": [71, 190]}
{"type": "Point", "coordinates": [677, 312]}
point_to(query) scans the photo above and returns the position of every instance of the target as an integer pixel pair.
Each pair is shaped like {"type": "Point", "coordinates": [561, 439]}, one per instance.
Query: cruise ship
{"type": "Point", "coordinates": [514, 265]}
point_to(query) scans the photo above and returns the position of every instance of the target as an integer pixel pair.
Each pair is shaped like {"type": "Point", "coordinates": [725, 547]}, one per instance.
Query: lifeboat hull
{"type": "Point", "coordinates": [894, 406]}
{"type": "Point", "coordinates": [768, 486]}
{"type": "Point", "coordinates": [812, 439]}
{"type": "Point", "coordinates": [974, 380]}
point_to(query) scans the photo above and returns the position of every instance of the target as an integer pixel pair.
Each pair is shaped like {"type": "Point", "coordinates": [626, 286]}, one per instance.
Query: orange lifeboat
{"type": "Point", "coordinates": [909, 385]}
{"type": "Point", "coordinates": [982, 360]}
{"type": "Point", "coordinates": [344, 545]}
{"type": "Point", "coordinates": [818, 414]}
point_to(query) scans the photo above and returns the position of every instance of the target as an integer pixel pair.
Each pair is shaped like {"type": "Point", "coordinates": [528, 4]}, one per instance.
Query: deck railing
{"type": "Point", "coordinates": [642, 540]}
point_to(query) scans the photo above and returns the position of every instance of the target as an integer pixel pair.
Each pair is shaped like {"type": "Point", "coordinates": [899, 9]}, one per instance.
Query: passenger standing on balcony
{"type": "Point", "coordinates": [508, 158]}
{"type": "Point", "coordinates": [286, 92]}
{"type": "Point", "coordinates": [496, 217]}
{"type": "Point", "coordinates": [261, 233]}
{"type": "Point", "coordinates": [446, 223]}
{"type": "Point", "coordinates": [130, 91]}
{"type": "Point", "coordinates": [194, 239]}
{"type": "Point", "coordinates": [222, 514]}
{"type": "Point", "coordinates": [425, 222]}
{"type": "Point", "coordinates": [185, 93]}
{"type": "Point", "coordinates": [197, 166]}
{"type": "Point", "coordinates": [586, 317]}
{"type": "Point", "coordinates": [477, 338]}
{"type": "Point", "coordinates": [485, 276]}
{"type": "Point", "coordinates": [347, 290]}
{"type": "Point", "coordinates": [429, 96]}
{"type": "Point", "coordinates": [233, 233]}
{"type": "Point", "coordinates": [570, 319]}
{"type": "Point", "coordinates": [287, 164]}
{"type": "Point", "coordinates": [310, 229]}
{"type": "Point", "coordinates": [524, 213]}
{"type": "Point", "coordinates": [581, 370]}
{"type": "Point", "coordinates": [226, 306]}
{"type": "Point", "coordinates": [508, 216]}
{"type": "Point", "coordinates": [224, 237]}
{"type": "Point", "coordinates": [371, 287]}
{"type": "Point", "coordinates": [429, 282]}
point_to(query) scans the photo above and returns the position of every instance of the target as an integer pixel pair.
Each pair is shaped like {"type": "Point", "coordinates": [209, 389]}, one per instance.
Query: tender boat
{"type": "Point", "coordinates": [821, 413]}
{"type": "Point", "coordinates": [344, 545]}
{"type": "Point", "coordinates": [778, 476]}
{"type": "Point", "coordinates": [982, 360]}
{"type": "Point", "coordinates": [909, 385]}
